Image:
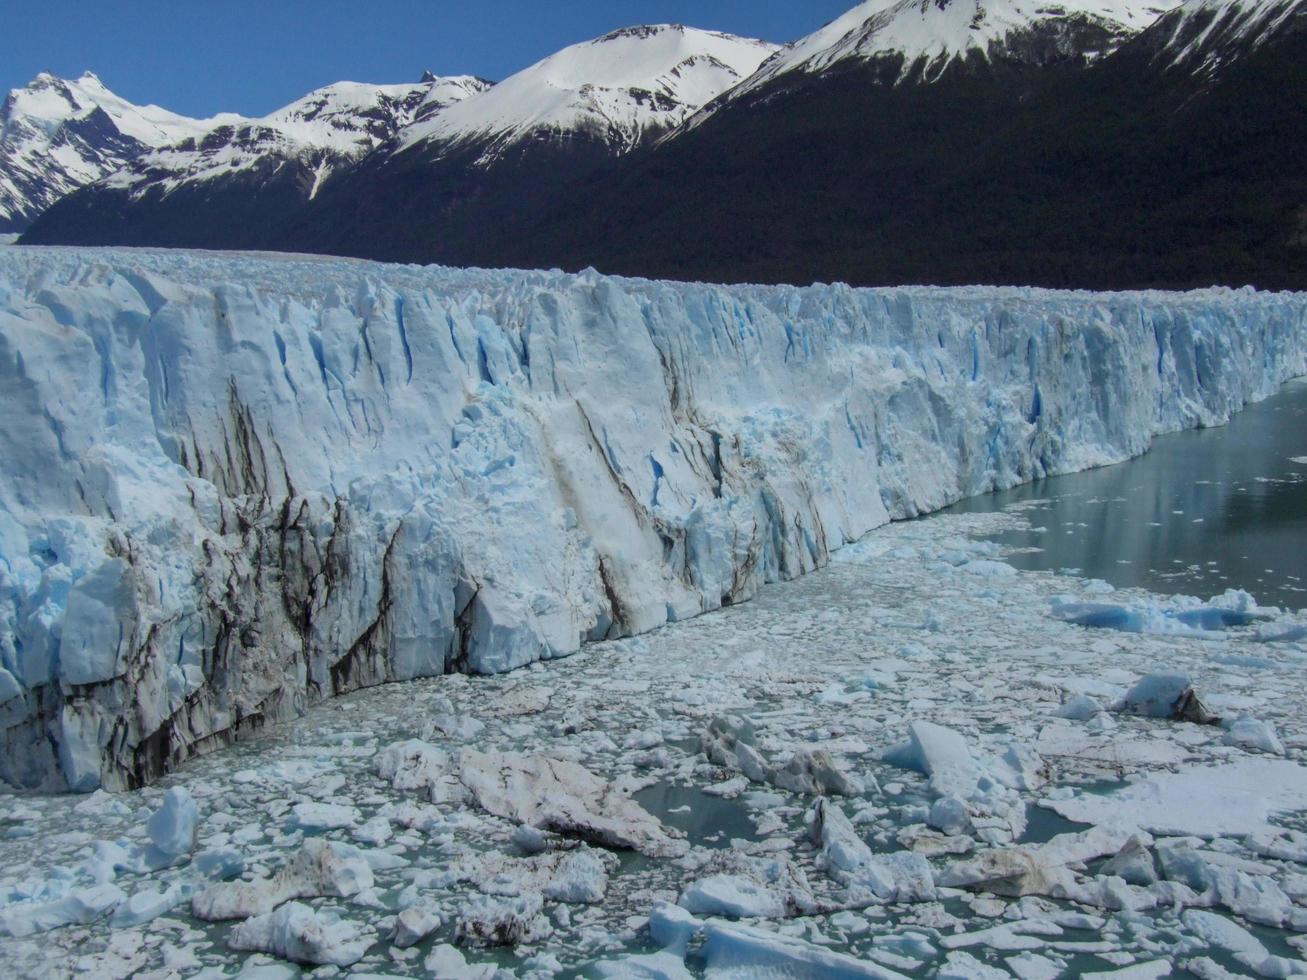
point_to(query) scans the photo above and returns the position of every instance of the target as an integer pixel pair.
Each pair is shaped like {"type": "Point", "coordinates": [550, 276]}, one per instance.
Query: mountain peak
{"type": "Point", "coordinates": [934, 33]}
{"type": "Point", "coordinates": [619, 87]}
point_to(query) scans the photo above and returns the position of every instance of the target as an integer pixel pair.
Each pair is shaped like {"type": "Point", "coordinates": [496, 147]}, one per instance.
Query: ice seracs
{"type": "Point", "coordinates": [468, 471]}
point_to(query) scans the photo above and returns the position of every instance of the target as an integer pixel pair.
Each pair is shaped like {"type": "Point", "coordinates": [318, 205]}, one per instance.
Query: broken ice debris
{"type": "Point", "coordinates": [566, 798]}
{"type": "Point", "coordinates": [319, 868]}
{"type": "Point", "coordinates": [172, 827]}
{"type": "Point", "coordinates": [298, 933]}
{"type": "Point", "coordinates": [1166, 695]}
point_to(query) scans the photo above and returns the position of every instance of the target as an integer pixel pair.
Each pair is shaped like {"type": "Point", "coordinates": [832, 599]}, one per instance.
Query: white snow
{"type": "Point", "coordinates": [329, 126]}
{"type": "Point", "coordinates": [934, 34]}
{"type": "Point", "coordinates": [1202, 30]}
{"type": "Point", "coordinates": [45, 153]}
{"type": "Point", "coordinates": [1235, 798]}
{"type": "Point", "coordinates": [620, 87]}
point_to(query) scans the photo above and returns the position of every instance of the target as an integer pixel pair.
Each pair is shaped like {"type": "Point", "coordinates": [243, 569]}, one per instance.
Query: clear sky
{"type": "Point", "coordinates": [200, 57]}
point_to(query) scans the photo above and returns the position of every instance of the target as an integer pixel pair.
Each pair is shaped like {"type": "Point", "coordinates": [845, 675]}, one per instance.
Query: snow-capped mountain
{"type": "Point", "coordinates": [620, 88]}
{"type": "Point", "coordinates": [329, 126]}
{"type": "Point", "coordinates": [57, 135]}
{"type": "Point", "coordinates": [930, 35]}
{"type": "Point", "coordinates": [950, 141]}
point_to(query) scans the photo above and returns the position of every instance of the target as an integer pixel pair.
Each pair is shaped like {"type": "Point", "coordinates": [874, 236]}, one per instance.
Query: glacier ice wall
{"type": "Point", "coordinates": [233, 485]}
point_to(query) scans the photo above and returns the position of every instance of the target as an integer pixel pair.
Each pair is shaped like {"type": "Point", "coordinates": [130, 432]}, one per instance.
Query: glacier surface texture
{"type": "Point", "coordinates": [234, 485]}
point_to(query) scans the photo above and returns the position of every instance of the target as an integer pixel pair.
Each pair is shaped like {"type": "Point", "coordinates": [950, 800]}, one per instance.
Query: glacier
{"type": "Point", "coordinates": [237, 484]}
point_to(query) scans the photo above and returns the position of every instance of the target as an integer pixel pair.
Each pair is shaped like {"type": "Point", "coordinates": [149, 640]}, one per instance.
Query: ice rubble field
{"type": "Point", "coordinates": [237, 485]}
{"type": "Point", "coordinates": [905, 764]}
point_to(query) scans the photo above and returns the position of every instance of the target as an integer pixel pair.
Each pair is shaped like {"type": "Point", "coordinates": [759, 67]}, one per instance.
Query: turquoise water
{"type": "Point", "coordinates": [1202, 512]}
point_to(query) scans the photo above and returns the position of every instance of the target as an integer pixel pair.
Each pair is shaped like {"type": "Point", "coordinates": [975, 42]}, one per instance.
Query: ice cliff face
{"type": "Point", "coordinates": [235, 485]}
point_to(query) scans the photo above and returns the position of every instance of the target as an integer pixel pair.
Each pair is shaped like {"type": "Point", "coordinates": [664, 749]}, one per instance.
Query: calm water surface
{"type": "Point", "coordinates": [1202, 512]}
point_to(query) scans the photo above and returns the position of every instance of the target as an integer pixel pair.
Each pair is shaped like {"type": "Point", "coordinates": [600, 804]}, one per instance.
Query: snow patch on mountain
{"type": "Point", "coordinates": [622, 87]}
{"type": "Point", "coordinates": [939, 32]}
{"type": "Point", "coordinates": [237, 485]}
{"type": "Point", "coordinates": [57, 135]}
{"type": "Point", "coordinates": [1204, 35]}
{"type": "Point", "coordinates": [331, 125]}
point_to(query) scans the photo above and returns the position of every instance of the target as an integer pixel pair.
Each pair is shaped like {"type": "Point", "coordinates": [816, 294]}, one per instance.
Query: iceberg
{"type": "Point", "coordinates": [235, 485]}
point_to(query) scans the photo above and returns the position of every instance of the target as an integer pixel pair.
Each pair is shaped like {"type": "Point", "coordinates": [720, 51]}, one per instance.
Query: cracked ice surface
{"type": "Point", "coordinates": [453, 844]}
{"type": "Point", "coordinates": [236, 485]}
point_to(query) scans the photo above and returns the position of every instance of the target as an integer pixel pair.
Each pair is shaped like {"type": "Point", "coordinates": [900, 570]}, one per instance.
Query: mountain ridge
{"type": "Point", "coordinates": [1052, 144]}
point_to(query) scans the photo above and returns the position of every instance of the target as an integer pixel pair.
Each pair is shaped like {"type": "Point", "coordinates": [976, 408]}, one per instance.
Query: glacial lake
{"type": "Point", "coordinates": [1203, 511]}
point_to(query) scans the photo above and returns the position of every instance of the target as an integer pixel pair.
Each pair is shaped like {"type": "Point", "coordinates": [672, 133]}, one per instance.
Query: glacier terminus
{"type": "Point", "coordinates": [237, 485]}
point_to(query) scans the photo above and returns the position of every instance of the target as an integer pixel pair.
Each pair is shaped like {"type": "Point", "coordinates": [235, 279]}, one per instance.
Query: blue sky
{"type": "Point", "coordinates": [251, 56]}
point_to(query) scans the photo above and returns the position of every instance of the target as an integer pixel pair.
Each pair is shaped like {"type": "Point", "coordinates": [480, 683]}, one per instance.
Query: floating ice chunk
{"type": "Point", "coordinates": [1282, 634]}
{"type": "Point", "coordinates": [662, 965]}
{"type": "Point", "coordinates": [551, 794]}
{"type": "Point", "coordinates": [841, 847]}
{"type": "Point", "coordinates": [1283, 845]}
{"type": "Point", "coordinates": [80, 906]}
{"type": "Point", "coordinates": [1019, 767]}
{"type": "Point", "coordinates": [732, 896]}
{"type": "Point", "coordinates": [1208, 801]}
{"type": "Point", "coordinates": [899, 877]}
{"type": "Point", "coordinates": [487, 921]}
{"type": "Point", "coordinates": [420, 766]}
{"type": "Point", "coordinates": [450, 724]}
{"type": "Point", "coordinates": [1233, 609]}
{"type": "Point", "coordinates": [1244, 887]}
{"type": "Point", "coordinates": [578, 877]}
{"type": "Point", "coordinates": [1133, 863]}
{"type": "Point", "coordinates": [219, 862]}
{"type": "Point", "coordinates": [1034, 869]}
{"type": "Point", "coordinates": [1081, 707]}
{"type": "Point", "coordinates": [941, 754]}
{"type": "Point", "coordinates": [813, 771]}
{"type": "Point", "coordinates": [949, 816]}
{"type": "Point", "coordinates": [1101, 615]}
{"type": "Point", "coordinates": [997, 813]}
{"type": "Point", "coordinates": [298, 933]}
{"type": "Point", "coordinates": [1254, 735]}
{"type": "Point", "coordinates": [1222, 933]}
{"type": "Point", "coordinates": [319, 868]}
{"type": "Point", "coordinates": [1165, 695]}
{"type": "Point", "coordinates": [728, 789]}
{"type": "Point", "coordinates": [375, 831]}
{"type": "Point", "coordinates": [1152, 970]}
{"type": "Point", "coordinates": [324, 816]}
{"type": "Point", "coordinates": [414, 924]}
{"type": "Point", "coordinates": [530, 840]}
{"type": "Point", "coordinates": [987, 568]}
{"type": "Point", "coordinates": [1029, 965]}
{"type": "Point", "coordinates": [148, 904]}
{"type": "Point", "coordinates": [672, 927]}
{"type": "Point", "coordinates": [963, 966]}
{"type": "Point", "coordinates": [728, 741]}
{"type": "Point", "coordinates": [736, 951]}
{"type": "Point", "coordinates": [172, 827]}
{"type": "Point", "coordinates": [448, 963]}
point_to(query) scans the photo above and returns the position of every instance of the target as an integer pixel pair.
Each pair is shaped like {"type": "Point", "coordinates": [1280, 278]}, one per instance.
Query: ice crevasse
{"type": "Point", "coordinates": [233, 485]}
